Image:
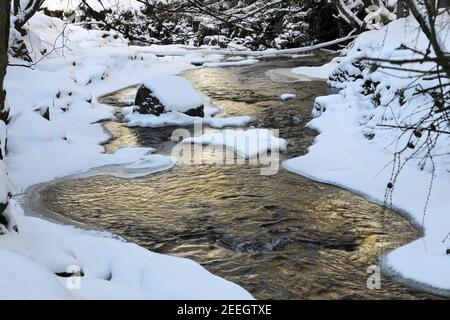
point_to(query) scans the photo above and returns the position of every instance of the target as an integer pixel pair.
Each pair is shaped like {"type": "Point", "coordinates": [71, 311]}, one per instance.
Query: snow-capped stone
{"type": "Point", "coordinates": [287, 96]}
{"type": "Point", "coordinates": [246, 143]}
{"type": "Point", "coordinates": [162, 94]}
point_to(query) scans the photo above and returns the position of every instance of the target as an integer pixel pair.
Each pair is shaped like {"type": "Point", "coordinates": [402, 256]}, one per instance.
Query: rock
{"type": "Point", "coordinates": [19, 50]}
{"type": "Point", "coordinates": [168, 94]}
{"type": "Point", "coordinates": [287, 96]}
{"type": "Point", "coordinates": [146, 103]}
{"type": "Point", "coordinates": [44, 112]}
{"type": "Point", "coordinates": [196, 112]}
{"type": "Point", "coordinates": [297, 119]}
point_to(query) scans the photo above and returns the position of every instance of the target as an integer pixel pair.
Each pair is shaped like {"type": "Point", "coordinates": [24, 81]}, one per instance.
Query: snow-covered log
{"type": "Point", "coordinates": [272, 53]}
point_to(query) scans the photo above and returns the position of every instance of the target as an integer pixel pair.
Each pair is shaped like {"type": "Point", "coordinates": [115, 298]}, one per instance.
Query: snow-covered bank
{"type": "Point", "coordinates": [354, 152]}
{"type": "Point", "coordinates": [54, 132]}
{"type": "Point", "coordinates": [112, 269]}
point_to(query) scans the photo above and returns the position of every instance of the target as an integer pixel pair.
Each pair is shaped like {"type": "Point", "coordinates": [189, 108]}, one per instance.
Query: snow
{"type": "Point", "coordinates": [23, 278]}
{"type": "Point", "coordinates": [275, 52]}
{"type": "Point", "coordinates": [154, 275]}
{"type": "Point", "coordinates": [239, 63]}
{"type": "Point", "coordinates": [68, 83]}
{"type": "Point", "coordinates": [135, 119]}
{"type": "Point", "coordinates": [235, 58]}
{"type": "Point", "coordinates": [219, 122]}
{"type": "Point", "coordinates": [175, 93]}
{"type": "Point", "coordinates": [94, 4]}
{"type": "Point", "coordinates": [112, 269]}
{"type": "Point", "coordinates": [178, 28]}
{"type": "Point", "coordinates": [320, 72]}
{"type": "Point", "coordinates": [246, 143]}
{"type": "Point", "coordinates": [287, 96]}
{"type": "Point", "coordinates": [285, 75]}
{"type": "Point", "coordinates": [353, 152]}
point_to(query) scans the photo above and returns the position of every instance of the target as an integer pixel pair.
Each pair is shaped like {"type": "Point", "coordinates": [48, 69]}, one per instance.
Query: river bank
{"type": "Point", "coordinates": [294, 239]}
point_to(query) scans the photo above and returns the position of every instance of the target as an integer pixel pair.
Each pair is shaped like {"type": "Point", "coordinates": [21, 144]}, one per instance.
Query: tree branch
{"type": "Point", "coordinates": [428, 28]}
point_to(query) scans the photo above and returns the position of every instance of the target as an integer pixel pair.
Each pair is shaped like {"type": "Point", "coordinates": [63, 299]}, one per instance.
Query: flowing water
{"type": "Point", "coordinates": [280, 236]}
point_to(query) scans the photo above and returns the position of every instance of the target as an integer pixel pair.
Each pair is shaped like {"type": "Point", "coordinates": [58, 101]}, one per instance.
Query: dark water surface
{"type": "Point", "coordinates": [280, 237]}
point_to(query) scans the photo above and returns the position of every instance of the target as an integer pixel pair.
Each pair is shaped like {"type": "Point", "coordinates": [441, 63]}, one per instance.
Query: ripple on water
{"type": "Point", "coordinates": [281, 236]}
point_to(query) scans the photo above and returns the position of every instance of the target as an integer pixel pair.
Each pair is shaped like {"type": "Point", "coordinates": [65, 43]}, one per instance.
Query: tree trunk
{"type": "Point", "coordinates": [4, 40]}
{"type": "Point", "coordinates": [16, 7]}
{"type": "Point", "coordinates": [5, 8]}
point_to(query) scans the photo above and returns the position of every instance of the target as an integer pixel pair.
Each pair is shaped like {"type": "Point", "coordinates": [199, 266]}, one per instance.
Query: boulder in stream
{"type": "Point", "coordinates": [163, 94]}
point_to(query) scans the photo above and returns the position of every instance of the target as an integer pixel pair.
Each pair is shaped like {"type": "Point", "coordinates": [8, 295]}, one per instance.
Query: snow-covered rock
{"type": "Point", "coordinates": [136, 119]}
{"type": "Point", "coordinates": [287, 96]}
{"type": "Point", "coordinates": [246, 143]}
{"type": "Point", "coordinates": [163, 94]}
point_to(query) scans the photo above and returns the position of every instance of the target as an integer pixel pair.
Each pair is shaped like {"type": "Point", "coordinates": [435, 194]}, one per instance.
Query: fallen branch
{"type": "Point", "coordinates": [271, 53]}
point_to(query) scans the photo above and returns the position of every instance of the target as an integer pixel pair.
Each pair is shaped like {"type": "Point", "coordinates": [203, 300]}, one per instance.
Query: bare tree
{"type": "Point", "coordinates": [427, 15]}
{"type": "Point", "coordinates": [4, 112]}
{"type": "Point", "coordinates": [255, 24]}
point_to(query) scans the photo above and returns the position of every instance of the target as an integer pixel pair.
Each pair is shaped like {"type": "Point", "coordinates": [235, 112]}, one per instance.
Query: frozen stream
{"type": "Point", "coordinates": [280, 236]}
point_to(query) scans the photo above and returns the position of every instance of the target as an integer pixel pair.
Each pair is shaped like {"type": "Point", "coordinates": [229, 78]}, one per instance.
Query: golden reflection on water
{"type": "Point", "coordinates": [281, 236]}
